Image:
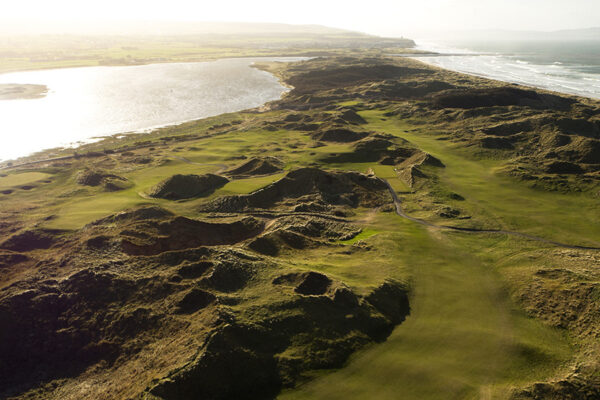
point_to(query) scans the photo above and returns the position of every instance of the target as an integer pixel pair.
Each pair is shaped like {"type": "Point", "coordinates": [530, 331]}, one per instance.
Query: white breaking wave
{"type": "Point", "coordinates": [556, 77]}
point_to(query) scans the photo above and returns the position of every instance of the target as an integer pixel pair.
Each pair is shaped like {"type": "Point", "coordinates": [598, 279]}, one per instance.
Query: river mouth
{"type": "Point", "coordinates": [92, 102]}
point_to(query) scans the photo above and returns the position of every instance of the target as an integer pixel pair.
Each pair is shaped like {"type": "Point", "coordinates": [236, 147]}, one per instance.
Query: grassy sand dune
{"type": "Point", "coordinates": [303, 283]}
{"type": "Point", "coordinates": [464, 338]}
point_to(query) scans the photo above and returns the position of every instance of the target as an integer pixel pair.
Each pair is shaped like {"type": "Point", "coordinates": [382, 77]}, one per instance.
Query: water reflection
{"type": "Point", "coordinates": [97, 101]}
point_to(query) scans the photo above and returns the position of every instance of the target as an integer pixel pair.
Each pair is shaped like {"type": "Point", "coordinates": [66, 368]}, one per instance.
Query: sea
{"type": "Point", "coordinates": [85, 104]}
{"type": "Point", "coordinates": [571, 67]}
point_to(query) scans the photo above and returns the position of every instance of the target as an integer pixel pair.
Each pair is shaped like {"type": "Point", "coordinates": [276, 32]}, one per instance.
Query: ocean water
{"type": "Point", "coordinates": [571, 67]}
{"type": "Point", "coordinates": [90, 102]}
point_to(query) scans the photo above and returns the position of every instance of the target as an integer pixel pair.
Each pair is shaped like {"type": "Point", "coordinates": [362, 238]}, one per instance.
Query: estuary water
{"type": "Point", "coordinates": [90, 102]}
{"type": "Point", "coordinates": [571, 67]}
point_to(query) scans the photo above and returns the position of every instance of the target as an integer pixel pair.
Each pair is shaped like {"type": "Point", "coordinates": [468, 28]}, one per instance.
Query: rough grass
{"type": "Point", "coordinates": [500, 202]}
{"type": "Point", "coordinates": [204, 156]}
{"type": "Point", "coordinates": [463, 339]}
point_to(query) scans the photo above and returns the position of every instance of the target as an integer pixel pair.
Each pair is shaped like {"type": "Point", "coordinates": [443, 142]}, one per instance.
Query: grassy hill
{"type": "Point", "coordinates": [413, 233]}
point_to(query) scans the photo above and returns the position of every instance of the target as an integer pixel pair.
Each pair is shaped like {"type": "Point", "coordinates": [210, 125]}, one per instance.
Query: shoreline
{"type": "Point", "coordinates": [501, 76]}
{"type": "Point", "coordinates": [367, 166]}
{"type": "Point", "coordinates": [10, 163]}
{"type": "Point", "coordinates": [520, 85]}
{"type": "Point", "coordinates": [98, 63]}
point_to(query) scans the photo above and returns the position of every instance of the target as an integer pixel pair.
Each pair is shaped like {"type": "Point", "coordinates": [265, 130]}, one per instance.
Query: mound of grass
{"type": "Point", "coordinates": [338, 134]}
{"type": "Point", "coordinates": [180, 187]}
{"type": "Point", "coordinates": [110, 182]}
{"type": "Point", "coordinates": [257, 166]}
{"type": "Point", "coordinates": [502, 96]}
{"type": "Point", "coordinates": [287, 276]}
{"type": "Point", "coordinates": [308, 185]}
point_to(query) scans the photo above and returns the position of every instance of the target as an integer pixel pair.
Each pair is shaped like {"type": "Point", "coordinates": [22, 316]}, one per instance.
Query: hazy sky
{"type": "Point", "coordinates": [372, 16]}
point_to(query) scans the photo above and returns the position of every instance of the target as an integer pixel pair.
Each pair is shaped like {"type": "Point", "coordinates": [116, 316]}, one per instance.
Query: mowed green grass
{"type": "Point", "coordinates": [20, 179]}
{"type": "Point", "coordinates": [494, 201]}
{"type": "Point", "coordinates": [464, 338]}
{"type": "Point", "coordinates": [210, 155]}
{"type": "Point", "coordinates": [361, 269]}
{"type": "Point", "coordinates": [204, 156]}
{"type": "Point", "coordinates": [498, 201]}
{"type": "Point", "coordinates": [81, 209]}
{"type": "Point", "coordinates": [363, 235]}
{"type": "Point", "coordinates": [248, 185]}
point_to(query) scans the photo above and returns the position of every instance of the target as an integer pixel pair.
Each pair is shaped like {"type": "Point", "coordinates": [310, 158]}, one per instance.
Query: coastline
{"type": "Point", "coordinates": [432, 134]}
{"type": "Point", "coordinates": [73, 146]}
{"type": "Point", "coordinates": [508, 68]}
{"type": "Point", "coordinates": [308, 53]}
{"type": "Point", "coordinates": [580, 98]}
{"type": "Point", "coordinates": [33, 158]}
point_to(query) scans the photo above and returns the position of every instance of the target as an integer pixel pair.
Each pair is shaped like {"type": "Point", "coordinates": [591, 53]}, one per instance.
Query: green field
{"type": "Point", "coordinates": [471, 332]}
{"type": "Point", "coordinates": [497, 201]}
{"type": "Point", "coordinates": [21, 179]}
{"type": "Point", "coordinates": [464, 338]}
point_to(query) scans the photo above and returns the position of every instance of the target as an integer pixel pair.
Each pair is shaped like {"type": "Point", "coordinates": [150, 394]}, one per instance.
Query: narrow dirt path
{"type": "Point", "coordinates": [400, 212]}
